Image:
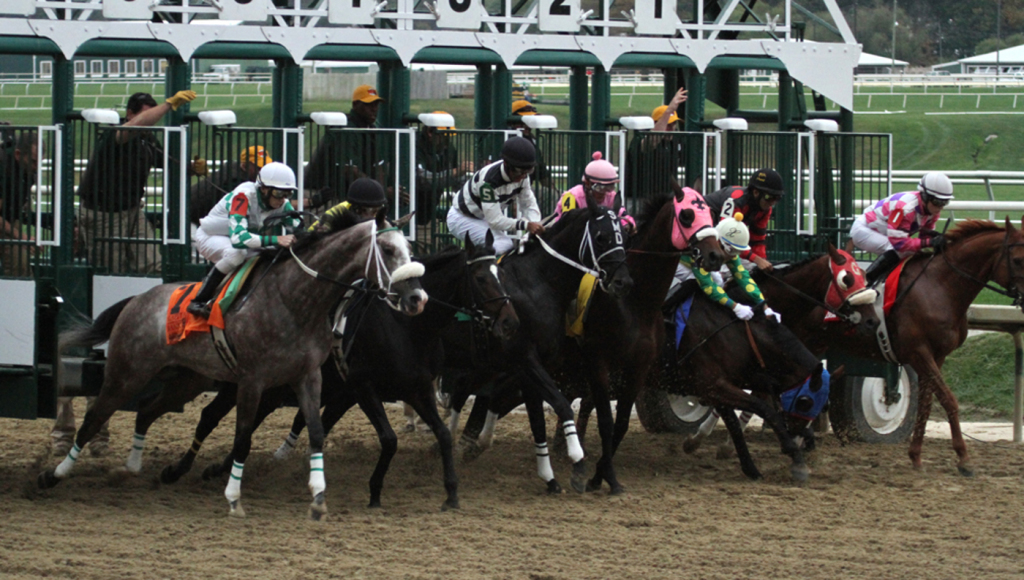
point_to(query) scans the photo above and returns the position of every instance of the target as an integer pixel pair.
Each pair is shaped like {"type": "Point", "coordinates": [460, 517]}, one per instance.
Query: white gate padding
{"type": "Point", "coordinates": [18, 7]}
{"type": "Point", "coordinates": [17, 322]}
{"type": "Point", "coordinates": [127, 9]}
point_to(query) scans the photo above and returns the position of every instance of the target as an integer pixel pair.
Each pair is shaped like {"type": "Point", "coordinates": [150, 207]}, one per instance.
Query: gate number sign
{"type": "Point", "coordinates": [656, 17]}
{"type": "Point", "coordinates": [559, 16]}
{"type": "Point", "coordinates": [461, 14]}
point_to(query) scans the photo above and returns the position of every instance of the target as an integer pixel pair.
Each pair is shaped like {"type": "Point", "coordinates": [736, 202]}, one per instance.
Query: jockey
{"type": "Point", "coordinates": [364, 199]}
{"type": "Point", "coordinates": [755, 202]}
{"type": "Point", "coordinates": [481, 204]}
{"type": "Point", "coordinates": [225, 236]}
{"type": "Point", "coordinates": [733, 234]}
{"type": "Point", "coordinates": [599, 180]}
{"type": "Point", "coordinates": [886, 227]}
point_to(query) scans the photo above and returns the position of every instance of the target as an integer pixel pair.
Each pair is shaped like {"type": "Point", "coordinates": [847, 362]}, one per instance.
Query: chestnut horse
{"type": "Point", "coordinates": [929, 317]}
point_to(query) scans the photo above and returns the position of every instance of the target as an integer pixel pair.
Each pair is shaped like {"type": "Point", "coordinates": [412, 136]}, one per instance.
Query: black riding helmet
{"type": "Point", "coordinates": [367, 193]}
{"type": "Point", "coordinates": [767, 180]}
{"type": "Point", "coordinates": [519, 152]}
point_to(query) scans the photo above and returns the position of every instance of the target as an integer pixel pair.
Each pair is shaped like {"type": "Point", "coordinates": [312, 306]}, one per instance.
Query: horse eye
{"type": "Point", "coordinates": [845, 280]}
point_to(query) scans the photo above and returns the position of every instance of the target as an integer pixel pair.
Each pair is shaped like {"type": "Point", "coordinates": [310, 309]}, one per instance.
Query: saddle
{"type": "Point", "coordinates": [180, 324]}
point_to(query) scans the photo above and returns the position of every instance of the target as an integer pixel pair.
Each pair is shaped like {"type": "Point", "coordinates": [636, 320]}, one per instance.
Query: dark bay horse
{"type": "Point", "coordinates": [542, 281]}
{"type": "Point", "coordinates": [929, 318]}
{"type": "Point", "coordinates": [392, 357]}
{"type": "Point", "coordinates": [281, 335]}
{"type": "Point", "coordinates": [625, 334]}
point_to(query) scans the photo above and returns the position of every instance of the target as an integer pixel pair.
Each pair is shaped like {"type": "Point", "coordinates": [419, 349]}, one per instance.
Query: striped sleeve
{"type": "Point", "coordinates": [238, 221]}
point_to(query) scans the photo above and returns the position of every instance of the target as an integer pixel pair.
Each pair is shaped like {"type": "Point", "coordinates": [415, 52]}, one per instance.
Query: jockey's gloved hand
{"type": "Point", "coordinates": [937, 243]}
{"type": "Point", "coordinates": [769, 312]}
{"type": "Point", "coordinates": [742, 311]}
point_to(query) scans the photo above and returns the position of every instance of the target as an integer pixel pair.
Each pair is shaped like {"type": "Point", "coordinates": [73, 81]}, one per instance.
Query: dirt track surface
{"type": "Point", "coordinates": [864, 513]}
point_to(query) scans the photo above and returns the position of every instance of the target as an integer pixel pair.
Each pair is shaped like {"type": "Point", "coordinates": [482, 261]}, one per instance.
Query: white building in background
{"type": "Point", "coordinates": [873, 64]}
{"type": "Point", "coordinates": [1009, 61]}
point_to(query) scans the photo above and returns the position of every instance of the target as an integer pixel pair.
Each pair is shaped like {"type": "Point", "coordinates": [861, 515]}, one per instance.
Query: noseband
{"type": "Point", "coordinates": [476, 311]}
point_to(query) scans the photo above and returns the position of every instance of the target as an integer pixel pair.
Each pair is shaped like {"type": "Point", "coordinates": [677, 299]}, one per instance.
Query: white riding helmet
{"type": "Point", "coordinates": [277, 175]}
{"type": "Point", "coordinates": [936, 184]}
{"type": "Point", "coordinates": [734, 235]}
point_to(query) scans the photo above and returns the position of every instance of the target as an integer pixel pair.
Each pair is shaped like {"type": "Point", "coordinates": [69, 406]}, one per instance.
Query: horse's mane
{"type": "Point", "coordinates": [968, 228]}
{"type": "Point", "coordinates": [331, 223]}
{"type": "Point", "coordinates": [650, 211]}
{"type": "Point", "coordinates": [441, 258]}
{"type": "Point", "coordinates": [759, 274]}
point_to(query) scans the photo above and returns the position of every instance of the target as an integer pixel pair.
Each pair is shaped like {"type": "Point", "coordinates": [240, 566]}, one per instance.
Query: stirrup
{"type": "Point", "coordinates": [200, 309]}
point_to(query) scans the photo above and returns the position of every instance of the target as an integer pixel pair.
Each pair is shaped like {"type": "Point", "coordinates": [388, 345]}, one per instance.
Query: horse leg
{"type": "Point", "coordinates": [373, 408]}
{"type": "Point", "coordinates": [735, 428]}
{"type": "Point", "coordinates": [726, 449]}
{"type": "Point", "coordinates": [210, 417]}
{"type": "Point", "coordinates": [288, 445]}
{"type": "Point", "coordinates": [121, 383]}
{"type": "Point", "coordinates": [426, 408]}
{"type": "Point", "coordinates": [269, 402]}
{"type": "Point", "coordinates": [187, 385]}
{"type": "Point", "coordinates": [537, 378]}
{"type": "Point", "coordinates": [606, 427]}
{"type": "Point", "coordinates": [930, 373]}
{"type": "Point", "coordinates": [538, 427]}
{"type": "Point", "coordinates": [694, 441]}
{"type": "Point", "coordinates": [308, 392]}
{"type": "Point", "coordinates": [583, 417]}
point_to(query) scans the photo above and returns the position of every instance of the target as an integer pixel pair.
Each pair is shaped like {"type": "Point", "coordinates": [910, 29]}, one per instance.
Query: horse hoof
{"type": "Point", "coordinates": [617, 490]}
{"type": "Point", "coordinates": [47, 479]}
{"type": "Point", "coordinates": [799, 473]}
{"type": "Point", "coordinates": [753, 474]}
{"type": "Point", "coordinates": [318, 509]}
{"type": "Point", "coordinates": [724, 452]}
{"type": "Point", "coordinates": [965, 470]}
{"type": "Point", "coordinates": [594, 484]}
{"type": "Point", "coordinates": [212, 472]}
{"type": "Point", "coordinates": [236, 509]}
{"type": "Point", "coordinates": [450, 504]}
{"type": "Point", "coordinates": [554, 488]}
{"type": "Point", "coordinates": [471, 451]}
{"type": "Point", "coordinates": [690, 446]}
{"type": "Point", "coordinates": [169, 475]}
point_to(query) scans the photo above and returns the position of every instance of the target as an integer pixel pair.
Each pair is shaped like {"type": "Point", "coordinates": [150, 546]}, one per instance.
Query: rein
{"type": "Point", "coordinates": [707, 338]}
{"type": "Point", "coordinates": [586, 244]}
{"type": "Point", "coordinates": [1012, 293]}
{"type": "Point", "coordinates": [476, 312]}
{"type": "Point", "coordinates": [753, 344]}
{"type": "Point", "coordinates": [809, 298]}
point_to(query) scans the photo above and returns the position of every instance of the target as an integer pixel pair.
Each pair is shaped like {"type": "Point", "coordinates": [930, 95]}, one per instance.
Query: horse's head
{"type": "Point", "coordinates": [488, 293]}
{"type": "Point", "coordinates": [1011, 276]}
{"type": "Point", "coordinates": [390, 265]}
{"type": "Point", "coordinates": [693, 228]}
{"type": "Point", "coordinates": [606, 253]}
{"type": "Point", "coordinates": [848, 294]}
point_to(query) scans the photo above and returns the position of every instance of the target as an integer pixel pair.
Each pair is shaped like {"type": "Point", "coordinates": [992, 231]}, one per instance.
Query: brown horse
{"type": "Point", "coordinates": [929, 318]}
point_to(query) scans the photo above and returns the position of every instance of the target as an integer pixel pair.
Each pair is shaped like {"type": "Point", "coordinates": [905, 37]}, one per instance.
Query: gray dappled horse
{"type": "Point", "coordinates": [281, 335]}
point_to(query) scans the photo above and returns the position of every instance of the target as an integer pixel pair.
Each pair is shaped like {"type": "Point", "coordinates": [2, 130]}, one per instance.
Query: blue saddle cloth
{"type": "Point", "coordinates": [682, 315]}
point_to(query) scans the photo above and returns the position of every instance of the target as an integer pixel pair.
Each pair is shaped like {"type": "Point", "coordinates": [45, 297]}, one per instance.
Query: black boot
{"type": "Point", "coordinates": [203, 302]}
{"type": "Point", "coordinates": [881, 267]}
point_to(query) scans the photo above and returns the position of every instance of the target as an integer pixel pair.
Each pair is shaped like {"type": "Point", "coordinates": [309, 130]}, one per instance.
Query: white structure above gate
{"type": "Point", "coordinates": [408, 26]}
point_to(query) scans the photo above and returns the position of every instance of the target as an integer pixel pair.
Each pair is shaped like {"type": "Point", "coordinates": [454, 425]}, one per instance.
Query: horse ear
{"type": "Point", "coordinates": [849, 246]}
{"type": "Point", "coordinates": [678, 191]}
{"type": "Point", "coordinates": [686, 217]}
{"type": "Point", "coordinates": [404, 220]}
{"type": "Point", "coordinates": [470, 247]}
{"type": "Point", "coordinates": [698, 185]}
{"type": "Point", "coordinates": [381, 218]}
{"type": "Point", "coordinates": [489, 240]}
{"type": "Point", "coordinates": [834, 254]}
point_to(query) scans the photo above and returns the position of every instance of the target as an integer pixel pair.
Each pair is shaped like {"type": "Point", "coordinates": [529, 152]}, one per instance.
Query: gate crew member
{"type": "Point", "coordinates": [229, 234]}
{"type": "Point", "coordinates": [886, 227]}
{"type": "Point", "coordinates": [483, 200]}
{"type": "Point", "coordinates": [755, 202]}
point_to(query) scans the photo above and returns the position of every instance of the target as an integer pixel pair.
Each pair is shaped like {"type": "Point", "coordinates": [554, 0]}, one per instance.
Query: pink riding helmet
{"type": "Point", "coordinates": [600, 171]}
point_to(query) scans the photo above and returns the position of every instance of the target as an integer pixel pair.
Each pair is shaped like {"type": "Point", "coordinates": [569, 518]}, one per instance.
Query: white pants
{"type": "Point", "coordinates": [218, 249]}
{"type": "Point", "coordinates": [459, 224]}
{"type": "Point", "coordinates": [867, 239]}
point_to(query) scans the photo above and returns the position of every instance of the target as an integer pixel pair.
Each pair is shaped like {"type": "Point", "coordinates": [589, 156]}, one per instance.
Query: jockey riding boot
{"type": "Point", "coordinates": [881, 267]}
{"type": "Point", "coordinates": [202, 303]}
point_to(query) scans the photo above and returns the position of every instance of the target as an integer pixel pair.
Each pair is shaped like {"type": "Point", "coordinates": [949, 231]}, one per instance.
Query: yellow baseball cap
{"type": "Point", "coordinates": [442, 113]}
{"type": "Point", "coordinates": [366, 94]}
{"type": "Point", "coordinates": [656, 115]}
{"type": "Point", "coordinates": [256, 154]}
{"type": "Point", "coordinates": [523, 108]}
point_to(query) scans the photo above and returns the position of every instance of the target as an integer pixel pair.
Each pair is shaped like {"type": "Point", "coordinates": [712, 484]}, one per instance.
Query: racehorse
{"type": "Point", "coordinates": [928, 319]}
{"type": "Point", "coordinates": [824, 301]}
{"type": "Point", "coordinates": [626, 334]}
{"type": "Point", "coordinates": [542, 282]}
{"type": "Point", "coordinates": [392, 357]}
{"type": "Point", "coordinates": [281, 336]}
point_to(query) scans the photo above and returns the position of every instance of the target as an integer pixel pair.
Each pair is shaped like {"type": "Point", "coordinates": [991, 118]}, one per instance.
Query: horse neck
{"type": "Point", "coordinates": [540, 267]}
{"type": "Point", "coordinates": [977, 256]}
{"type": "Point", "coordinates": [813, 279]}
{"type": "Point", "coordinates": [443, 285]}
{"type": "Point", "coordinates": [340, 257]}
{"type": "Point", "coordinates": [652, 273]}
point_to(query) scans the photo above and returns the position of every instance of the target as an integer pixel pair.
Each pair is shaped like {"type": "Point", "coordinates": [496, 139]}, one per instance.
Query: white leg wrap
{"type": "Point", "coordinates": [287, 447]}
{"type": "Point", "coordinates": [708, 425]}
{"type": "Point", "coordinates": [544, 462]}
{"type": "Point", "coordinates": [453, 421]}
{"type": "Point", "coordinates": [317, 484]}
{"type": "Point", "coordinates": [134, 463]}
{"type": "Point", "coordinates": [487, 433]}
{"type": "Point", "coordinates": [65, 466]}
{"type": "Point", "coordinates": [572, 441]}
{"type": "Point", "coordinates": [234, 490]}
{"type": "Point", "coordinates": [745, 418]}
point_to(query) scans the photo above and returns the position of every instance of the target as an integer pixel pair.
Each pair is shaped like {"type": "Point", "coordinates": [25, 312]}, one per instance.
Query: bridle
{"type": "Point", "coordinates": [587, 250]}
{"type": "Point", "coordinates": [853, 318]}
{"type": "Point", "coordinates": [1011, 291]}
{"type": "Point", "coordinates": [476, 310]}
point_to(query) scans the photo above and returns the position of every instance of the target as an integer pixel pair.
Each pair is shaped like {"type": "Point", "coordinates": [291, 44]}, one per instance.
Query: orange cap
{"type": "Point", "coordinates": [657, 114]}
{"type": "Point", "coordinates": [365, 94]}
{"type": "Point", "coordinates": [256, 154]}
{"type": "Point", "coordinates": [442, 113]}
{"type": "Point", "coordinates": [523, 108]}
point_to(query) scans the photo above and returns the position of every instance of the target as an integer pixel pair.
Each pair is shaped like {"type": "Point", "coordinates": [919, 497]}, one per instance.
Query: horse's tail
{"type": "Point", "coordinates": [86, 333]}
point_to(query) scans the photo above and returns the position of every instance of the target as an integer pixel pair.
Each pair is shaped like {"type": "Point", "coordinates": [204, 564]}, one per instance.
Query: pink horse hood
{"type": "Point", "coordinates": [700, 227]}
